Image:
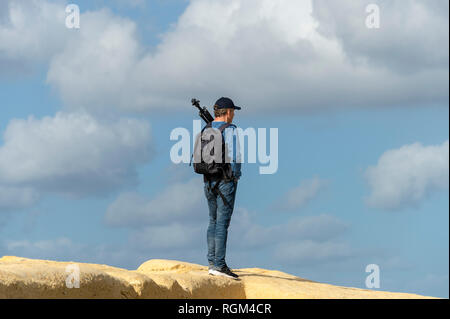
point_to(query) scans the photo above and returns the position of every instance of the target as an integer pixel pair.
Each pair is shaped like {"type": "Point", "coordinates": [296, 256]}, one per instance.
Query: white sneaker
{"type": "Point", "coordinates": [225, 272]}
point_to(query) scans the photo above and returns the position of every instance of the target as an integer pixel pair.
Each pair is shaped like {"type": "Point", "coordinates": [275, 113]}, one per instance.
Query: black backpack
{"type": "Point", "coordinates": [211, 166]}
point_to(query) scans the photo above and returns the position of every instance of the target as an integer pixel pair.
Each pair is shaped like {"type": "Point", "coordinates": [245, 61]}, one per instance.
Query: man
{"type": "Point", "coordinates": [220, 191]}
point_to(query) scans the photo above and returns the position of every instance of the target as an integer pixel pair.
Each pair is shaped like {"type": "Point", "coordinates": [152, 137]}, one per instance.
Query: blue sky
{"type": "Point", "coordinates": [86, 116]}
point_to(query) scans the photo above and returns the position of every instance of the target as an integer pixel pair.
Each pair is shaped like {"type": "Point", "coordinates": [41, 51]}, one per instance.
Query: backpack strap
{"type": "Point", "coordinates": [221, 128]}
{"type": "Point", "coordinates": [209, 125]}
{"type": "Point", "coordinates": [216, 191]}
{"type": "Point", "coordinates": [224, 126]}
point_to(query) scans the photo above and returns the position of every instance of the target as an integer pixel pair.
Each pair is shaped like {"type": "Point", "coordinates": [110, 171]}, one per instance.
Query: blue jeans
{"type": "Point", "coordinates": [219, 220]}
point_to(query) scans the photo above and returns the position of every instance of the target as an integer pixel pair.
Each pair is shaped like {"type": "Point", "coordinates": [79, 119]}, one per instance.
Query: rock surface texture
{"type": "Point", "coordinates": [159, 278]}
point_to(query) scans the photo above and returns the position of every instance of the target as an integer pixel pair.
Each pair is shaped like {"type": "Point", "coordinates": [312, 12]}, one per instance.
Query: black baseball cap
{"type": "Point", "coordinates": [226, 103]}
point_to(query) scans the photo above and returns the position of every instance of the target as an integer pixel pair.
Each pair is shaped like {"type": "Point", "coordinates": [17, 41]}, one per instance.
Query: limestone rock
{"type": "Point", "coordinates": [159, 278]}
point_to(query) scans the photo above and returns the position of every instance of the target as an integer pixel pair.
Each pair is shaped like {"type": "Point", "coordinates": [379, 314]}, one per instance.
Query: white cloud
{"type": "Point", "coordinates": [173, 236]}
{"type": "Point", "coordinates": [17, 197]}
{"type": "Point", "coordinates": [66, 249]}
{"type": "Point", "coordinates": [178, 202]}
{"type": "Point", "coordinates": [303, 55]}
{"type": "Point", "coordinates": [308, 240]}
{"type": "Point", "coordinates": [41, 245]}
{"type": "Point", "coordinates": [95, 69]}
{"type": "Point", "coordinates": [177, 218]}
{"type": "Point", "coordinates": [129, 254]}
{"type": "Point", "coordinates": [318, 228]}
{"type": "Point", "coordinates": [311, 252]}
{"type": "Point", "coordinates": [61, 249]}
{"type": "Point", "coordinates": [299, 196]}
{"type": "Point", "coordinates": [30, 31]}
{"type": "Point", "coordinates": [404, 177]}
{"type": "Point", "coordinates": [73, 153]}
{"type": "Point", "coordinates": [411, 37]}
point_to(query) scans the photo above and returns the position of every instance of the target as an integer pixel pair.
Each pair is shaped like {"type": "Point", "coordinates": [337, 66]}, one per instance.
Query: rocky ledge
{"type": "Point", "coordinates": [159, 278]}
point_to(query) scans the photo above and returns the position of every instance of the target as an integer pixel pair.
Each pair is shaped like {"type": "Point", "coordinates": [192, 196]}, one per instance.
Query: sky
{"type": "Point", "coordinates": [362, 116]}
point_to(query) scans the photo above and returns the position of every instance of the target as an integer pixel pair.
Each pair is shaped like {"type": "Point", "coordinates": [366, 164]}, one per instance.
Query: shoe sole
{"type": "Point", "coordinates": [218, 273]}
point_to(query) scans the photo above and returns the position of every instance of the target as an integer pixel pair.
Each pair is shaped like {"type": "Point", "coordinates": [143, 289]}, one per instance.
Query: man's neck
{"type": "Point", "coordinates": [220, 119]}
